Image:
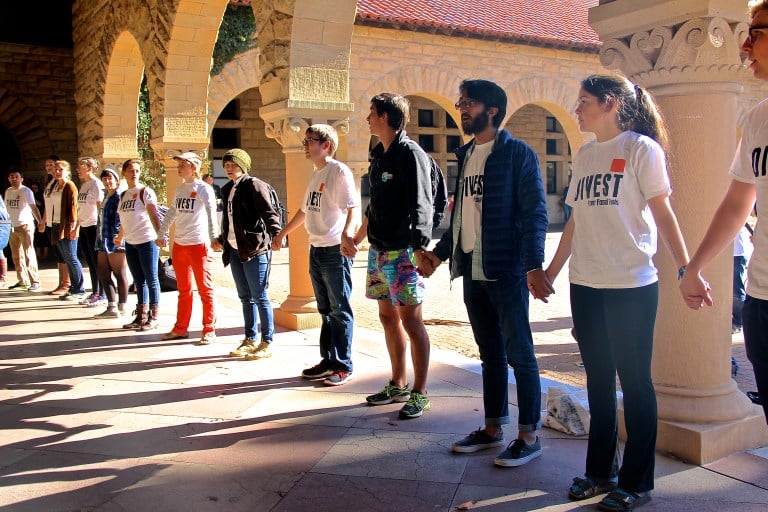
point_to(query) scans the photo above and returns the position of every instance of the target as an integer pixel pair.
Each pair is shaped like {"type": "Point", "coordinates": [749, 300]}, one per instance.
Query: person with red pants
{"type": "Point", "coordinates": [194, 211]}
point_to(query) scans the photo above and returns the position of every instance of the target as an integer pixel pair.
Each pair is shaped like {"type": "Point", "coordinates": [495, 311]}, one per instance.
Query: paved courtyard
{"type": "Point", "coordinates": [96, 418]}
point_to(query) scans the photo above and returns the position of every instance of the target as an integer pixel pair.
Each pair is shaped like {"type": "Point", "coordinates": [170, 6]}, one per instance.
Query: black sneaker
{"type": "Point", "coordinates": [317, 372]}
{"type": "Point", "coordinates": [416, 405]}
{"type": "Point", "coordinates": [518, 453]}
{"type": "Point", "coordinates": [478, 440]}
{"type": "Point", "coordinates": [389, 394]}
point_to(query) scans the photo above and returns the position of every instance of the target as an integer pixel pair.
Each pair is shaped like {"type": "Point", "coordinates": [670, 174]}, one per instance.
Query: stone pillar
{"type": "Point", "coordinates": [686, 53]}
{"type": "Point", "coordinates": [286, 122]}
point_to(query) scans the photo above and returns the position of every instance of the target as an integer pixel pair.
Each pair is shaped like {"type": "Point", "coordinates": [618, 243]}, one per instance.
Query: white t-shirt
{"type": "Point", "coordinates": [231, 233]}
{"type": "Point", "coordinates": [134, 217]}
{"type": "Point", "coordinates": [742, 245]}
{"type": "Point", "coordinates": [88, 200]}
{"type": "Point", "coordinates": [194, 210]}
{"type": "Point", "coordinates": [331, 192]}
{"type": "Point", "coordinates": [615, 235]}
{"type": "Point", "coordinates": [472, 202]}
{"type": "Point", "coordinates": [52, 206]}
{"type": "Point", "coordinates": [750, 165]}
{"type": "Point", "coordinates": [17, 202]}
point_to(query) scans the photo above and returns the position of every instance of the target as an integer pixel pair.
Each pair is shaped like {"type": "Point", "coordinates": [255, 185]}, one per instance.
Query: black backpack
{"type": "Point", "coordinates": [439, 193]}
{"type": "Point", "coordinates": [277, 205]}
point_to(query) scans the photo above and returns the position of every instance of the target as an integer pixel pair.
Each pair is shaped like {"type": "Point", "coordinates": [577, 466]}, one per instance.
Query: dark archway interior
{"type": "Point", "coordinates": [10, 156]}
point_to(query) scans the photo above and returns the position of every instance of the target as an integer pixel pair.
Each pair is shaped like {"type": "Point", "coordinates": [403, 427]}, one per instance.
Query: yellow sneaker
{"type": "Point", "coordinates": [262, 351]}
{"type": "Point", "coordinates": [246, 347]}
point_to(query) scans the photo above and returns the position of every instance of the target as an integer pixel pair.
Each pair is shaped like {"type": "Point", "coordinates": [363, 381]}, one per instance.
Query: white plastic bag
{"type": "Point", "coordinates": [567, 411]}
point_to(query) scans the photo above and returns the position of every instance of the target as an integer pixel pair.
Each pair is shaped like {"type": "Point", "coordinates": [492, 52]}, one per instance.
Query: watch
{"type": "Point", "coordinates": [681, 272]}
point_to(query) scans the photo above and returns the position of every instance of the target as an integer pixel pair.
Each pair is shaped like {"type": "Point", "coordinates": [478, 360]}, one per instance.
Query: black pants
{"type": "Point", "coordinates": [614, 330]}
{"type": "Point", "coordinates": [87, 249]}
{"type": "Point", "coordinates": [755, 317]}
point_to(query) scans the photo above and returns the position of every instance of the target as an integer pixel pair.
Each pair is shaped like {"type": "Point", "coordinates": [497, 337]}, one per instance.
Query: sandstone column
{"type": "Point", "coordinates": [686, 53]}
{"type": "Point", "coordinates": [286, 122]}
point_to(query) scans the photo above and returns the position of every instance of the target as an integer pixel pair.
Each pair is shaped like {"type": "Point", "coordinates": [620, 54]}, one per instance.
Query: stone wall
{"type": "Point", "coordinates": [37, 104]}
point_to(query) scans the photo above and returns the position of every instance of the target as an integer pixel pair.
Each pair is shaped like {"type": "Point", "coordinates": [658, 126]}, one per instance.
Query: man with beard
{"type": "Point", "coordinates": [496, 243]}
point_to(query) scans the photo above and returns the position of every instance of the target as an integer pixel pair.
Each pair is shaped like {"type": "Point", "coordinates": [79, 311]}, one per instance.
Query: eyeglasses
{"type": "Point", "coordinates": [756, 33]}
{"type": "Point", "coordinates": [308, 141]}
{"type": "Point", "coordinates": [465, 104]}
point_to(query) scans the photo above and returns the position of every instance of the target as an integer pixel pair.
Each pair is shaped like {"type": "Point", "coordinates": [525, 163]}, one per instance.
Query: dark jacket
{"type": "Point", "coordinates": [514, 218]}
{"type": "Point", "coordinates": [255, 220]}
{"type": "Point", "coordinates": [400, 211]}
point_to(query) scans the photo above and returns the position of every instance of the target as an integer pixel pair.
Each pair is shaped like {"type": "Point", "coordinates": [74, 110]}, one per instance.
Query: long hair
{"type": "Point", "coordinates": [636, 109]}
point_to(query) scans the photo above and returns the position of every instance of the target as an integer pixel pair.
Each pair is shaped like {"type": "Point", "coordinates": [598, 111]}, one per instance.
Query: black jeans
{"type": "Point", "coordinates": [87, 248]}
{"type": "Point", "coordinates": [614, 330]}
{"type": "Point", "coordinates": [755, 316]}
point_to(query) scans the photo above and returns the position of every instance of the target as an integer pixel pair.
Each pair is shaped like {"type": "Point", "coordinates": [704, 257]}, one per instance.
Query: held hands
{"type": "Point", "coordinates": [216, 246]}
{"type": "Point", "coordinates": [427, 262]}
{"type": "Point", "coordinates": [539, 284]}
{"type": "Point", "coordinates": [348, 246]}
{"type": "Point", "coordinates": [695, 290]}
{"type": "Point", "coordinates": [277, 241]}
{"type": "Point", "coordinates": [160, 242]}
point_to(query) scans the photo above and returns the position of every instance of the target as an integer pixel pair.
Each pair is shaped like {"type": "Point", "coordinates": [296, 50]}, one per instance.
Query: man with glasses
{"type": "Point", "coordinates": [749, 182]}
{"type": "Point", "coordinates": [496, 244]}
{"type": "Point", "coordinates": [398, 223]}
{"type": "Point", "coordinates": [327, 214]}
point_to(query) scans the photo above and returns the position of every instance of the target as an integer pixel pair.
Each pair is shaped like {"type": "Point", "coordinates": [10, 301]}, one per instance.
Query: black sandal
{"type": "Point", "coordinates": [585, 488]}
{"type": "Point", "coordinates": [620, 500]}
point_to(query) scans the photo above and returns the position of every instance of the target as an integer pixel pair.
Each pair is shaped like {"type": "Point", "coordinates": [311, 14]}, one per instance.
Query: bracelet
{"type": "Point", "coordinates": [533, 270]}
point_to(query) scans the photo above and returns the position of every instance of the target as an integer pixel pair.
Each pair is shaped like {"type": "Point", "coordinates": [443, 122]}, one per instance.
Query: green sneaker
{"type": "Point", "coordinates": [416, 405]}
{"type": "Point", "coordinates": [390, 393]}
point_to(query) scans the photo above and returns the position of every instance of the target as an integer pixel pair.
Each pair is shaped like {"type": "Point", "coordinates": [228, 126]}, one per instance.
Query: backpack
{"type": "Point", "coordinates": [277, 205]}
{"type": "Point", "coordinates": [439, 193]}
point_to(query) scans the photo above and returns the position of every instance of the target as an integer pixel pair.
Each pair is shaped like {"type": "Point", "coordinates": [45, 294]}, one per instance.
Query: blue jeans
{"type": "Point", "coordinates": [331, 275]}
{"type": "Point", "coordinates": [68, 250]}
{"type": "Point", "coordinates": [252, 282]}
{"type": "Point", "coordinates": [614, 330]}
{"type": "Point", "coordinates": [756, 343]}
{"type": "Point", "coordinates": [142, 262]}
{"type": "Point", "coordinates": [498, 313]}
{"type": "Point", "coordinates": [739, 292]}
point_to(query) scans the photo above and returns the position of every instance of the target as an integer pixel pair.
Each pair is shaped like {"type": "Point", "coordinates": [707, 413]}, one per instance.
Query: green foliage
{"type": "Point", "coordinates": [153, 172]}
{"type": "Point", "coordinates": [236, 36]}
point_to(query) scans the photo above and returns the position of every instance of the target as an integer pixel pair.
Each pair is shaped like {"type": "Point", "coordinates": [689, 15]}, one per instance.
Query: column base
{"type": "Point", "coordinates": [298, 313]}
{"type": "Point", "coordinates": [702, 443]}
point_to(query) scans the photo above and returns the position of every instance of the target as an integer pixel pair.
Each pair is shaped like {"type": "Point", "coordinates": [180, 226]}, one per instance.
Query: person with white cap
{"type": "Point", "coordinates": [193, 209]}
{"type": "Point", "coordinates": [247, 227]}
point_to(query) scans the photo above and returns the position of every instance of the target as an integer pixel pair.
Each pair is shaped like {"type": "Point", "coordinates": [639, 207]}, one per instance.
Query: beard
{"type": "Point", "coordinates": [477, 124]}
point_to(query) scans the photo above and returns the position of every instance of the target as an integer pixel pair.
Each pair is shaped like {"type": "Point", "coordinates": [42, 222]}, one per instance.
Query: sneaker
{"type": "Point", "coordinates": [246, 347]}
{"type": "Point", "coordinates": [478, 440]}
{"type": "Point", "coordinates": [518, 453]}
{"type": "Point", "coordinates": [34, 287]}
{"type": "Point", "coordinates": [73, 297]}
{"type": "Point", "coordinates": [85, 300]}
{"type": "Point", "coordinates": [3, 285]}
{"type": "Point", "coordinates": [110, 312]}
{"type": "Point", "coordinates": [415, 406]}
{"type": "Point", "coordinates": [338, 378]}
{"type": "Point", "coordinates": [319, 371]}
{"type": "Point", "coordinates": [390, 393]}
{"type": "Point", "coordinates": [121, 307]}
{"type": "Point", "coordinates": [19, 286]}
{"type": "Point", "coordinates": [96, 300]}
{"type": "Point", "coordinates": [207, 338]}
{"type": "Point", "coordinates": [261, 352]}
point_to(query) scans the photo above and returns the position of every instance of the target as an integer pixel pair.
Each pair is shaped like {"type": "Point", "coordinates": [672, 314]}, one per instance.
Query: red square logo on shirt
{"type": "Point", "coordinates": [193, 195]}
{"type": "Point", "coordinates": [618, 165]}
{"type": "Point", "coordinates": [322, 186]}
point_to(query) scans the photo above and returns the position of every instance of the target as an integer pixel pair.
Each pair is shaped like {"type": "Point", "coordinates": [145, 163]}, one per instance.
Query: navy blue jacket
{"type": "Point", "coordinates": [514, 218]}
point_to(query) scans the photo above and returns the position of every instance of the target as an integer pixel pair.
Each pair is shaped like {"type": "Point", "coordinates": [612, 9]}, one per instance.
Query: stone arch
{"type": "Point", "coordinates": [436, 83]}
{"type": "Point", "coordinates": [125, 69]}
{"type": "Point", "coordinates": [558, 97]}
{"type": "Point", "coordinates": [236, 77]}
{"type": "Point", "coordinates": [30, 135]}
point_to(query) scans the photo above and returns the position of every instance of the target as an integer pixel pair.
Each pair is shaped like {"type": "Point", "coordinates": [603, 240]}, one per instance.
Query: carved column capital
{"type": "Point", "coordinates": [166, 149]}
{"type": "Point", "coordinates": [700, 50]}
{"type": "Point", "coordinates": [287, 121]}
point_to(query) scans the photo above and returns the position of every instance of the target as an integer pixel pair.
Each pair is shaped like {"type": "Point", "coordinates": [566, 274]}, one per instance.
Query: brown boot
{"type": "Point", "coordinates": [3, 273]}
{"type": "Point", "coordinates": [63, 286]}
{"type": "Point", "coordinates": [141, 317]}
{"type": "Point", "coordinates": [151, 321]}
